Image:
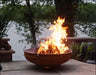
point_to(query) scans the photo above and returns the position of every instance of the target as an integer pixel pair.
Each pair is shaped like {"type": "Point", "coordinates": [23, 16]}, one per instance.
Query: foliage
{"type": "Point", "coordinates": [4, 19]}
{"type": "Point", "coordinates": [19, 13]}
{"type": "Point", "coordinates": [85, 16]}
{"type": "Point", "coordinates": [75, 49]}
{"type": "Point", "coordinates": [86, 12]}
{"type": "Point", "coordinates": [45, 12]}
{"type": "Point", "coordinates": [82, 51]}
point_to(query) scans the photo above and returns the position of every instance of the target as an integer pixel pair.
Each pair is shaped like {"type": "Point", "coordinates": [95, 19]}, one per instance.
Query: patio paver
{"type": "Point", "coordinates": [72, 67]}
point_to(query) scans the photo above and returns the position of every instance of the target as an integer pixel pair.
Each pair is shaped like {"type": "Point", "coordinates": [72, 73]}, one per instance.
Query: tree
{"type": "Point", "coordinates": [31, 21]}
{"type": "Point", "coordinates": [65, 9]}
{"type": "Point", "coordinates": [3, 24]}
{"type": "Point", "coordinates": [86, 17]}
{"type": "Point", "coordinates": [26, 15]}
{"type": "Point", "coordinates": [21, 16]}
{"type": "Point", "coordinates": [4, 20]}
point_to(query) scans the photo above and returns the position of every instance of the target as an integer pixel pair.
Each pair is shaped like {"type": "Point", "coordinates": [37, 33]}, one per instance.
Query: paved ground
{"type": "Point", "coordinates": [72, 67]}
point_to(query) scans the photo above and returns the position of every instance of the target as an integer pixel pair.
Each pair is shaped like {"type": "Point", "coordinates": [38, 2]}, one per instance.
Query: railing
{"type": "Point", "coordinates": [81, 39]}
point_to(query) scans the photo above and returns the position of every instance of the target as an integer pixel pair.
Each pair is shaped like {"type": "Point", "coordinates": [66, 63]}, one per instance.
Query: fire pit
{"type": "Point", "coordinates": [47, 60]}
{"type": "Point", "coordinates": [54, 50]}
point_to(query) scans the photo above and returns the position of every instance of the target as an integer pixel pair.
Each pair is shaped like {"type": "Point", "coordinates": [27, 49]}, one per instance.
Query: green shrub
{"type": "Point", "coordinates": [81, 51]}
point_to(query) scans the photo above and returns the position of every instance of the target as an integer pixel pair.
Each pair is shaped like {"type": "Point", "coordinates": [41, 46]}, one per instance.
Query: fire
{"type": "Point", "coordinates": [55, 43]}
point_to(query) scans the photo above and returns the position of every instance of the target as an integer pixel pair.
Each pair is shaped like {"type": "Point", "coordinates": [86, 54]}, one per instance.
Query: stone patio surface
{"type": "Point", "coordinates": [72, 67]}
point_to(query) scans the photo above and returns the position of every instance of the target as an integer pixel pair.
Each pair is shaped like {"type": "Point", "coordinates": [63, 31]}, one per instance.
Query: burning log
{"type": "Point", "coordinates": [55, 44]}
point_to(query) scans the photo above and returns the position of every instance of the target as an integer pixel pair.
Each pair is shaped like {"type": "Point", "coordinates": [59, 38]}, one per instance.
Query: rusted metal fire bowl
{"type": "Point", "coordinates": [46, 60]}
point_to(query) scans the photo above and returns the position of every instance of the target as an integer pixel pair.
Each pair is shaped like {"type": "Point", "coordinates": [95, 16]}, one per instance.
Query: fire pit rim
{"type": "Point", "coordinates": [34, 53]}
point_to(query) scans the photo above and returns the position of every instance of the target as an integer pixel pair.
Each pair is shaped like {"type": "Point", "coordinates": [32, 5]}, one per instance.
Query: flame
{"type": "Point", "coordinates": [55, 44]}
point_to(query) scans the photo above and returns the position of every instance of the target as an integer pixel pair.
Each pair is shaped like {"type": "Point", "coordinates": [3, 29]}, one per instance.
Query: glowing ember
{"type": "Point", "coordinates": [55, 43]}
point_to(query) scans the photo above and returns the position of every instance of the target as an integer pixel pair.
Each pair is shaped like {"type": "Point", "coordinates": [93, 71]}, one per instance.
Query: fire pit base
{"type": "Point", "coordinates": [47, 67]}
{"type": "Point", "coordinates": [47, 60]}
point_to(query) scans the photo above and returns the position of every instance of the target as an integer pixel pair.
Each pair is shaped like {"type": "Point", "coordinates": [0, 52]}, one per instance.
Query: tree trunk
{"type": "Point", "coordinates": [64, 8]}
{"type": "Point", "coordinates": [31, 22]}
